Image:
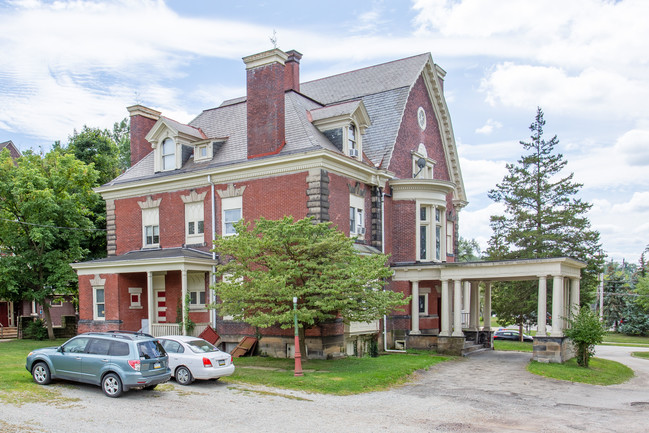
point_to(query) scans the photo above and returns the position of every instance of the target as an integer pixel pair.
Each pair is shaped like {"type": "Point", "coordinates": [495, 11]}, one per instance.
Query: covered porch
{"type": "Point", "coordinates": [458, 285]}
{"type": "Point", "coordinates": [145, 290]}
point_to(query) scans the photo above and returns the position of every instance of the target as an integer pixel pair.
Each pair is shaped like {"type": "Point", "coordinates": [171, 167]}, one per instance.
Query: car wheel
{"type": "Point", "coordinates": [41, 373]}
{"type": "Point", "coordinates": [183, 375]}
{"type": "Point", "coordinates": [111, 385]}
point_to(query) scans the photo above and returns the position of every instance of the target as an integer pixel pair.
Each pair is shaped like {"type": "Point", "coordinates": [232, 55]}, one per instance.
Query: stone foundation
{"type": "Point", "coordinates": [552, 349]}
{"type": "Point", "coordinates": [450, 345]}
{"type": "Point", "coordinates": [421, 342]}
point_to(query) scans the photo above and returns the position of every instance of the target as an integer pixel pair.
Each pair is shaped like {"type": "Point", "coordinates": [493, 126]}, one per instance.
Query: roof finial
{"type": "Point", "coordinates": [273, 39]}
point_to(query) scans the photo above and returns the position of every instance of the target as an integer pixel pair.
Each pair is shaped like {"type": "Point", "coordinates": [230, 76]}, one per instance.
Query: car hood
{"type": "Point", "coordinates": [44, 350]}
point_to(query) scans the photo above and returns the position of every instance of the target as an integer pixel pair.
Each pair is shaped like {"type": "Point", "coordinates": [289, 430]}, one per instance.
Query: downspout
{"type": "Point", "coordinates": [212, 295]}
{"type": "Point", "coordinates": [385, 317]}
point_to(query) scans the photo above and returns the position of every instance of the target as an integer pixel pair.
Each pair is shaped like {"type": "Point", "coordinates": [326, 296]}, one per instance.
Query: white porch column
{"type": "Point", "coordinates": [542, 306]}
{"type": "Point", "coordinates": [184, 297]}
{"type": "Point", "coordinates": [150, 300]}
{"type": "Point", "coordinates": [414, 310]}
{"type": "Point", "coordinates": [445, 324]}
{"type": "Point", "coordinates": [557, 306]}
{"type": "Point", "coordinates": [486, 313]}
{"type": "Point", "coordinates": [210, 297]}
{"type": "Point", "coordinates": [457, 312]}
{"type": "Point", "coordinates": [474, 320]}
{"type": "Point", "coordinates": [574, 297]}
{"type": "Point", "coordinates": [466, 297]}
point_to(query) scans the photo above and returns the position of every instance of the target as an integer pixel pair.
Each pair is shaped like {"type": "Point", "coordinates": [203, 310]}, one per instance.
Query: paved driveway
{"type": "Point", "coordinates": [488, 392]}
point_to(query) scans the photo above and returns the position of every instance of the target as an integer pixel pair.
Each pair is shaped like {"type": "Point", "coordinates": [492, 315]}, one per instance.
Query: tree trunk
{"type": "Point", "coordinates": [520, 331]}
{"type": "Point", "coordinates": [48, 320]}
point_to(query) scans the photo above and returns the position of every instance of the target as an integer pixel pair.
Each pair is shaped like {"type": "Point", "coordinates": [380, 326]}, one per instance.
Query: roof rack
{"type": "Point", "coordinates": [143, 334]}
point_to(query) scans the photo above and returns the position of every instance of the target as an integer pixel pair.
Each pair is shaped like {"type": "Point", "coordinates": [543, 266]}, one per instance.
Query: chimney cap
{"type": "Point", "coordinates": [294, 56]}
{"type": "Point", "coordinates": [141, 110]}
{"type": "Point", "coordinates": [266, 58]}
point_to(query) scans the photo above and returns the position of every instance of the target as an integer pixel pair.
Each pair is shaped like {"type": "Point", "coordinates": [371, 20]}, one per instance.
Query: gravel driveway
{"type": "Point", "coordinates": [488, 392]}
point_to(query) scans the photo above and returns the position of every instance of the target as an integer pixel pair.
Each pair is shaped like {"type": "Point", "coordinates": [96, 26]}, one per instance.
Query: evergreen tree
{"type": "Point", "coordinates": [543, 218]}
{"type": "Point", "coordinates": [619, 283]}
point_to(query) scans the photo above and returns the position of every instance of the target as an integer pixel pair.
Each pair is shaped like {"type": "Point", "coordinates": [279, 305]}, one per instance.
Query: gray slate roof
{"type": "Point", "coordinates": [152, 254]}
{"type": "Point", "coordinates": [383, 88]}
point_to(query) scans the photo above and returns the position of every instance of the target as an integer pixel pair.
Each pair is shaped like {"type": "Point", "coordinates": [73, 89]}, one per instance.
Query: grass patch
{"type": "Point", "coordinates": [16, 384]}
{"type": "Point", "coordinates": [341, 376]}
{"type": "Point", "coordinates": [644, 355]}
{"type": "Point", "coordinates": [512, 346]}
{"type": "Point", "coordinates": [599, 372]}
{"type": "Point", "coordinates": [621, 339]}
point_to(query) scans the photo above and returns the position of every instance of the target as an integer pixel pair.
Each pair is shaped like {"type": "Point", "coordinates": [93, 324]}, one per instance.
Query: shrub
{"type": "Point", "coordinates": [35, 330]}
{"type": "Point", "coordinates": [585, 331]}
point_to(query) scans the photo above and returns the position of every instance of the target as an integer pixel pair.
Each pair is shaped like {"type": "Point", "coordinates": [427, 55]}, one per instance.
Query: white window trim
{"type": "Point", "coordinates": [174, 153]}
{"type": "Point", "coordinates": [96, 316]}
{"type": "Point", "coordinates": [428, 171]}
{"type": "Point", "coordinates": [230, 203]}
{"type": "Point", "coordinates": [196, 284]}
{"type": "Point", "coordinates": [432, 235]}
{"type": "Point", "coordinates": [357, 203]}
{"type": "Point", "coordinates": [208, 152]}
{"type": "Point", "coordinates": [150, 218]}
{"type": "Point", "coordinates": [424, 291]}
{"type": "Point", "coordinates": [135, 291]}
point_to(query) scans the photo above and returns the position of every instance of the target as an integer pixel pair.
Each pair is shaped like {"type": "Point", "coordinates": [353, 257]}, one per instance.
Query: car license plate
{"type": "Point", "coordinates": [157, 365]}
{"type": "Point", "coordinates": [221, 362]}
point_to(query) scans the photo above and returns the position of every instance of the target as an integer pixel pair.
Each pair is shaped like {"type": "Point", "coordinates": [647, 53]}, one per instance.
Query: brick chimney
{"type": "Point", "coordinates": [142, 120]}
{"type": "Point", "coordinates": [292, 72]}
{"type": "Point", "coordinates": [265, 102]}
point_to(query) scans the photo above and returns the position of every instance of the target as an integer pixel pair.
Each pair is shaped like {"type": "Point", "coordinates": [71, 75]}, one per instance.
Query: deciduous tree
{"type": "Point", "coordinates": [46, 207]}
{"type": "Point", "coordinates": [267, 264]}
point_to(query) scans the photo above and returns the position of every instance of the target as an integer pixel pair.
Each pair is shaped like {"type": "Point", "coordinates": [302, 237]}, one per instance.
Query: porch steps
{"type": "Point", "coordinates": [8, 332]}
{"type": "Point", "coordinates": [471, 347]}
{"type": "Point", "coordinates": [247, 344]}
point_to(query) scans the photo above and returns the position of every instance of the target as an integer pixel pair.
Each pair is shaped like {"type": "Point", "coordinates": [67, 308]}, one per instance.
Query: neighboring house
{"type": "Point", "coordinates": [11, 311]}
{"type": "Point", "coordinates": [371, 150]}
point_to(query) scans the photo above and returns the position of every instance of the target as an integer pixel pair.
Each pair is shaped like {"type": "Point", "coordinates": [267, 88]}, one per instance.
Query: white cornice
{"type": "Point", "coordinates": [143, 265]}
{"type": "Point", "coordinates": [425, 190]}
{"type": "Point", "coordinates": [251, 170]}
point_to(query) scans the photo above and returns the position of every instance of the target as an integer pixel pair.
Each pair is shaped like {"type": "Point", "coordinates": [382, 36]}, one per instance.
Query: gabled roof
{"type": "Point", "coordinates": [13, 150]}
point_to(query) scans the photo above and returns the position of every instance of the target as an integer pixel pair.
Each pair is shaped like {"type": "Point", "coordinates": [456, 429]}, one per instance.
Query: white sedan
{"type": "Point", "coordinates": [194, 358]}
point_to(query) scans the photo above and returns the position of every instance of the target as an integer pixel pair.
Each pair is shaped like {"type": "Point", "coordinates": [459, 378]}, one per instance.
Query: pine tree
{"type": "Point", "coordinates": [543, 218]}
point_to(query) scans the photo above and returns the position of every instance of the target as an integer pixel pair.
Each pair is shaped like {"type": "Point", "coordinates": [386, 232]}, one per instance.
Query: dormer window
{"type": "Point", "coordinates": [168, 154]}
{"type": "Point", "coordinates": [344, 125]}
{"type": "Point", "coordinates": [422, 165]}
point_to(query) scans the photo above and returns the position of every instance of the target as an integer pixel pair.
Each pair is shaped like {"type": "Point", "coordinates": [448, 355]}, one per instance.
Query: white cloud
{"type": "Point", "coordinates": [481, 175]}
{"type": "Point", "coordinates": [489, 127]}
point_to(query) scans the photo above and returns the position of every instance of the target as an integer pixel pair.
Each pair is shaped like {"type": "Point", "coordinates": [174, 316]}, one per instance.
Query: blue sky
{"type": "Point", "coordinates": [66, 64]}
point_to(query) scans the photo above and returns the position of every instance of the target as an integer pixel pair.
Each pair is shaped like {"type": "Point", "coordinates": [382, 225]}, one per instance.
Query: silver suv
{"type": "Point", "coordinates": [116, 360]}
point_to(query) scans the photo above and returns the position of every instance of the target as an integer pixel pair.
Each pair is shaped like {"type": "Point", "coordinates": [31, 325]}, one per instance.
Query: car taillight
{"type": "Point", "coordinates": [135, 364]}
{"type": "Point", "coordinates": [207, 362]}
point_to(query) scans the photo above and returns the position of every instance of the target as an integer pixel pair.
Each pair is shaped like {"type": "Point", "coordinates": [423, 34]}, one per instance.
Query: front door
{"type": "Point", "coordinates": [160, 306]}
{"type": "Point", "coordinates": [4, 313]}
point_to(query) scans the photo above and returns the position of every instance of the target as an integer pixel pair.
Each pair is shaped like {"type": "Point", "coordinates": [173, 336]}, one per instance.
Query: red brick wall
{"type": "Point", "coordinates": [132, 318]}
{"type": "Point", "coordinates": [273, 198]}
{"type": "Point", "coordinates": [140, 127]}
{"type": "Point", "coordinates": [404, 231]}
{"type": "Point", "coordinates": [265, 107]}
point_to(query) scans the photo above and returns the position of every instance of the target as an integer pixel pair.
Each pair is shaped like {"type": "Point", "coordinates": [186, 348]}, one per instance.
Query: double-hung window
{"type": "Point", "coordinates": [356, 216]}
{"type": "Point", "coordinates": [231, 214]}
{"type": "Point", "coordinates": [352, 144]}
{"type": "Point", "coordinates": [196, 290]}
{"type": "Point", "coordinates": [168, 154]}
{"type": "Point", "coordinates": [430, 235]}
{"type": "Point", "coordinates": [194, 222]}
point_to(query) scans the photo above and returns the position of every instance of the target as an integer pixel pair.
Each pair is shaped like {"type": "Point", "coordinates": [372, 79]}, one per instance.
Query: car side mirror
{"type": "Point", "coordinates": [60, 349]}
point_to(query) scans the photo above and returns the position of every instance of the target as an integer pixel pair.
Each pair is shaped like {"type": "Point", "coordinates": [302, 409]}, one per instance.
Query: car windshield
{"type": "Point", "coordinates": [150, 349]}
{"type": "Point", "coordinates": [201, 346]}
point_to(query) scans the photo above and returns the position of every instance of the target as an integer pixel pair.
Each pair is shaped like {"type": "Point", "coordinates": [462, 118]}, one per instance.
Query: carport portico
{"type": "Point", "coordinates": [564, 272]}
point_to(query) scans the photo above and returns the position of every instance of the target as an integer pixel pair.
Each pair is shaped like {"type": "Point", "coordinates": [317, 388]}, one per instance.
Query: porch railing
{"type": "Point", "coordinates": [160, 329]}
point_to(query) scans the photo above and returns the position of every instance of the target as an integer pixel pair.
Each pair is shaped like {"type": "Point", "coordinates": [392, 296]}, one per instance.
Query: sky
{"type": "Point", "coordinates": [66, 64]}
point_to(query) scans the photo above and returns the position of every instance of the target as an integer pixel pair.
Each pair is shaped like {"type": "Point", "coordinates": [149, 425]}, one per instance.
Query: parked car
{"type": "Point", "coordinates": [509, 334]}
{"type": "Point", "coordinates": [116, 361]}
{"type": "Point", "coordinates": [194, 358]}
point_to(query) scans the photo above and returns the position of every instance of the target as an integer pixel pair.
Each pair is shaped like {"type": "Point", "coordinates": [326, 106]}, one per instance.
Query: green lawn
{"type": "Point", "coordinates": [341, 376]}
{"type": "Point", "coordinates": [16, 383]}
{"type": "Point", "coordinates": [599, 372]}
{"type": "Point", "coordinates": [512, 346]}
{"type": "Point", "coordinates": [617, 339]}
{"type": "Point", "coordinates": [644, 355]}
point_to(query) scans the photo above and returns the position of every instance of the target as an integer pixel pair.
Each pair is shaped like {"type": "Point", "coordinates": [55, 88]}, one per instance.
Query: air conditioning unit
{"type": "Point", "coordinates": [353, 153]}
{"type": "Point", "coordinates": [361, 230]}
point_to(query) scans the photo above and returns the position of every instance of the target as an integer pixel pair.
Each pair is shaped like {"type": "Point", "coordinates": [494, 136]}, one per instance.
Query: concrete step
{"type": "Point", "coordinates": [475, 350]}
{"type": "Point", "coordinates": [471, 348]}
